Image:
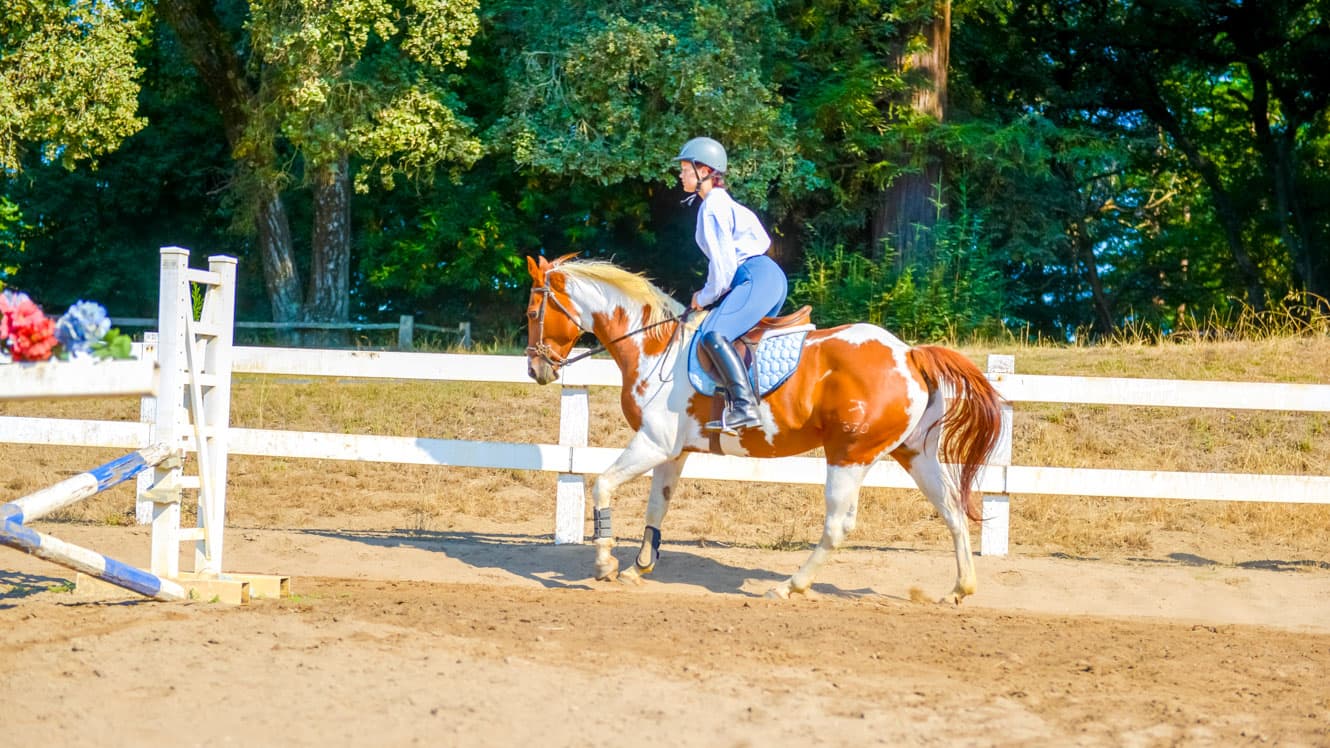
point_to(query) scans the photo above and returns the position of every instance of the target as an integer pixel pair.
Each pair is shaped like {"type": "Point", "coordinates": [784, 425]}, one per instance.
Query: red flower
{"type": "Point", "coordinates": [28, 334]}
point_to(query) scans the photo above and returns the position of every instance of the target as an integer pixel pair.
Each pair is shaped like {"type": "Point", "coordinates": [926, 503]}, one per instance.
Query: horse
{"type": "Point", "coordinates": [859, 393]}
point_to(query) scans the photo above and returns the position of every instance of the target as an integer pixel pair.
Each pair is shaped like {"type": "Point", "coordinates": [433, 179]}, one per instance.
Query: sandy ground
{"type": "Point", "coordinates": [480, 638]}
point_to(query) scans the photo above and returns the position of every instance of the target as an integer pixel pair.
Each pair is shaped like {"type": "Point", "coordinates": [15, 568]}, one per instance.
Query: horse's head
{"type": "Point", "coordinates": [551, 324]}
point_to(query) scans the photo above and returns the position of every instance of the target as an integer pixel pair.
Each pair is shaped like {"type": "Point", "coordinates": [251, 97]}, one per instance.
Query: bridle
{"type": "Point", "coordinates": [545, 353]}
{"type": "Point", "coordinates": [542, 349]}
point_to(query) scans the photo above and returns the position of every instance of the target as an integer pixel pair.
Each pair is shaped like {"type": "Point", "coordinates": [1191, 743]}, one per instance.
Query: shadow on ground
{"type": "Point", "coordinates": [536, 558]}
{"type": "Point", "coordinates": [16, 585]}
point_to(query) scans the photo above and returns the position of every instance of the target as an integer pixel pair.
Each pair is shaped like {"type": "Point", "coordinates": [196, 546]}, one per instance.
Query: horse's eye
{"type": "Point", "coordinates": [531, 314]}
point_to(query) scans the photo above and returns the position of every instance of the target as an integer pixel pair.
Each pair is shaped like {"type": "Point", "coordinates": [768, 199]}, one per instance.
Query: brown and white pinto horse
{"type": "Point", "coordinates": [859, 393]}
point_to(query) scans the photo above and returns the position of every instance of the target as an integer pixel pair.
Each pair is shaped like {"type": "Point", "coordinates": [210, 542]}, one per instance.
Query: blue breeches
{"type": "Point", "coordinates": [758, 291]}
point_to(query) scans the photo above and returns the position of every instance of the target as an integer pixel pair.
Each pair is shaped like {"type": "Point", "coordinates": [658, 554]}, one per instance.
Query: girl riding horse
{"type": "Point", "coordinates": [747, 283]}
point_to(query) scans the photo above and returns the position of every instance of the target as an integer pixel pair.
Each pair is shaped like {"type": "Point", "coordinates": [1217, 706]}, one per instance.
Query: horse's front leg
{"type": "Point", "coordinates": [641, 455]}
{"type": "Point", "coordinates": [663, 479]}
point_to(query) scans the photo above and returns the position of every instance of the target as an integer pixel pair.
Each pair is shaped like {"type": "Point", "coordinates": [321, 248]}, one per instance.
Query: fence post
{"type": "Point", "coordinates": [993, 536]}
{"type": "Point", "coordinates": [464, 329]}
{"type": "Point", "coordinates": [219, 312]}
{"type": "Point", "coordinates": [148, 415]}
{"type": "Point", "coordinates": [170, 419]}
{"type": "Point", "coordinates": [406, 332]}
{"type": "Point", "coordinates": [570, 499]}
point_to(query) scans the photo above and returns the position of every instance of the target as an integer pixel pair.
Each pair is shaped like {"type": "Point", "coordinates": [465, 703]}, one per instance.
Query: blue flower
{"type": "Point", "coordinates": [84, 324]}
{"type": "Point", "coordinates": [12, 298]}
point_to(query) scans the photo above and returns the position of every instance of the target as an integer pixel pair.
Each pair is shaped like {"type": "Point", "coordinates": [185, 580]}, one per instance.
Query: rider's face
{"type": "Point", "coordinates": [690, 174]}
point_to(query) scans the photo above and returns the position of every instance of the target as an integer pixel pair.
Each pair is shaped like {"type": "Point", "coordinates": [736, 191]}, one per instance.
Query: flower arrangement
{"type": "Point", "coordinates": [27, 334]}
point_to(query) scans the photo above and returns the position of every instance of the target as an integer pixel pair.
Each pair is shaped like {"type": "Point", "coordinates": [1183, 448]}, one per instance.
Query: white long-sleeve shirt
{"type": "Point", "coordinates": [727, 233]}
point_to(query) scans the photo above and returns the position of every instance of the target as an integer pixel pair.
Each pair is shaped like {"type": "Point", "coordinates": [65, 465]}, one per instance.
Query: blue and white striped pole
{"type": "Point", "coordinates": [15, 535]}
{"type": "Point", "coordinates": [89, 562]}
{"type": "Point", "coordinates": [68, 491]}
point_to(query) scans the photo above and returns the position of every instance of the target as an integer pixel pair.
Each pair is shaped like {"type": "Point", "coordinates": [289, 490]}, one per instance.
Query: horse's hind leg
{"type": "Point", "coordinates": [943, 493]}
{"type": "Point", "coordinates": [842, 495]}
{"type": "Point", "coordinates": [663, 480]}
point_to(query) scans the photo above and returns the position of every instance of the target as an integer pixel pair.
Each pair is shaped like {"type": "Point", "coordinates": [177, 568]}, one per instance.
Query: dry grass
{"type": "Point", "coordinates": [302, 493]}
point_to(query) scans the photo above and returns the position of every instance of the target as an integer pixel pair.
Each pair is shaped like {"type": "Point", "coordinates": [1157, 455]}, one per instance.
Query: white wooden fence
{"type": "Point", "coordinates": [572, 458]}
{"type": "Point", "coordinates": [406, 327]}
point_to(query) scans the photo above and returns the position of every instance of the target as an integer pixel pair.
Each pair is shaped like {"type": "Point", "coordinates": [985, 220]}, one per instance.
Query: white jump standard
{"type": "Point", "coordinates": [186, 404]}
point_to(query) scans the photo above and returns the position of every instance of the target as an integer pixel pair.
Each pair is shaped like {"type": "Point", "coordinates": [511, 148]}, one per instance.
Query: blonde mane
{"type": "Point", "coordinates": [633, 285]}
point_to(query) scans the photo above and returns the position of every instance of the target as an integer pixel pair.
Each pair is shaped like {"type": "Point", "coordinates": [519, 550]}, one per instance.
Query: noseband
{"type": "Point", "coordinates": [545, 353]}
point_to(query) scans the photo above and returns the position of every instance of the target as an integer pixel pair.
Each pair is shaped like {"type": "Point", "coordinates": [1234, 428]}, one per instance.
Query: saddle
{"type": "Point", "coordinates": [797, 318]}
{"type": "Point", "coordinates": [770, 351]}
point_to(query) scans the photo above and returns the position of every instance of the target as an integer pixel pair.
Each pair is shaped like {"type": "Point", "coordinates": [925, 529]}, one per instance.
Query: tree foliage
{"type": "Point", "coordinates": [68, 80]}
{"type": "Point", "coordinates": [1195, 129]}
{"type": "Point", "coordinates": [89, 234]}
{"type": "Point", "coordinates": [608, 92]}
{"type": "Point", "coordinates": [369, 78]}
{"type": "Point", "coordinates": [1100, 163]}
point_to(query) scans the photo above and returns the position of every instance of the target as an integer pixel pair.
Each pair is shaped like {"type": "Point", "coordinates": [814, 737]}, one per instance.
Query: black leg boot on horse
{"type": "Point", "coordinates": [740, 399]}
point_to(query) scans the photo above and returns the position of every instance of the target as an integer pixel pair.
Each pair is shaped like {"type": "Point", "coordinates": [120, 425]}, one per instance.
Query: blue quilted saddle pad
{"type": "Point", "coordinates": [775, 360]}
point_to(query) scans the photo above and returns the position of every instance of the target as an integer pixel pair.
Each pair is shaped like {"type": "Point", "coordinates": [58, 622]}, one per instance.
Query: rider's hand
{"type": "Point", "coordinates": [693, 304]}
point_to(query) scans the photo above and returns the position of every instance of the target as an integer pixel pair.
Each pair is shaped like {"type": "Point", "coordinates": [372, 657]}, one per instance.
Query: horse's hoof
{"type": "Point", "coordinates": [631, 577]}
{"type": "Point", "coordinates": [607, 572]}
{"type": "Point", "coordinates": [778, 593]}
{"type": "Point", "coordinates": [952, 598]}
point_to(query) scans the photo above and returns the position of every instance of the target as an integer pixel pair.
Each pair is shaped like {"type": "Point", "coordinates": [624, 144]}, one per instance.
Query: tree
{"type": "Point", "coordinates": [603, 94]}
{"type": "Point", "coordinates": [1247, 106]}
{"type": "Point", "coordinates": [10, 244]}
{"type": "Point", "coordinates": [1227, 104]}
{"type": "Point", "coordinates": [316, 88]}
{"type": "Point", "coordinates": [68, 80]}
{"type": "Point", "coordinates": [608, 92]}
{"type": "Point", "coordinates": [910, 206]}
{"type": "Point", "coordinates": [94, 233]}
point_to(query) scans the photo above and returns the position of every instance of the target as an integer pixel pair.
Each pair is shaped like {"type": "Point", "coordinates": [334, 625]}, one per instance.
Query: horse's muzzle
{"type": "Point", "coordinates": [541, 371]}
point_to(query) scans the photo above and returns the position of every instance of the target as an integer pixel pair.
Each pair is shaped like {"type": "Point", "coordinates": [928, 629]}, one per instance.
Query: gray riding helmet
{"type": "Point", "coordinates": [704, 151]}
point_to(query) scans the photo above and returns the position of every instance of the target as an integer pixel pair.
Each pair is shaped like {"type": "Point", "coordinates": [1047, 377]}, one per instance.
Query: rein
{"type": "Point", "coordinates": [547, 354]}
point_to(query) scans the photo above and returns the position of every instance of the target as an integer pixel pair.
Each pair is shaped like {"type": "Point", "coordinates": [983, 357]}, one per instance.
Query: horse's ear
{"type": "Point", "coordinates": [537, 271]}
{"type": "Point", "coordinates": [559, 260]}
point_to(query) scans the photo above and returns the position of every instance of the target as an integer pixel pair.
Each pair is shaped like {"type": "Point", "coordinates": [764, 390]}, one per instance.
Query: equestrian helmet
{"type": "Point", "coordinates": [704, 151]}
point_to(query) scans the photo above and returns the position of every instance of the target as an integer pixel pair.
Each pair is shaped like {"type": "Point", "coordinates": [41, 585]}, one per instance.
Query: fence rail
{"type": "Point", "coordinates": [406, 327]}
{"type": "Point", "coordinates": [572, 457]}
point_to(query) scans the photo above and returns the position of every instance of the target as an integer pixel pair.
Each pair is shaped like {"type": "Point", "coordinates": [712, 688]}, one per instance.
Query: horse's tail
{"type": "Point", "coordinates": [973, 422]}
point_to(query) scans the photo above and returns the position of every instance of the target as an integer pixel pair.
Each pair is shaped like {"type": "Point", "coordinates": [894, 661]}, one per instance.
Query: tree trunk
{"type": "Point", "coordinates": [328, 299]}
{"type": "Point", "coordinates": [211, 51]}
{"type": "Point", "coordinates": [909, 208]}
{"type": "Point", "coordinates": [1084, 248]}
{"type": "Point", "coordinates": [905, 215]}
{"type": "Point", "coordinates": [281, 278]}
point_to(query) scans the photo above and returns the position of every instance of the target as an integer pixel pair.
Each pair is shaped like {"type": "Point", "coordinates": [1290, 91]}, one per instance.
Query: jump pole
{"type": "Point", "coordinates": [15, 534]}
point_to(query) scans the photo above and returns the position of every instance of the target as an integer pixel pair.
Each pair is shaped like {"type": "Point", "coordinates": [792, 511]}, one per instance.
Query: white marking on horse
{"type": "Point", "coordinates": [861, 333]}
{"type": "Point", "coordinates": [768, 419]}
{"type": "Point", "coordinates": [860, 424]}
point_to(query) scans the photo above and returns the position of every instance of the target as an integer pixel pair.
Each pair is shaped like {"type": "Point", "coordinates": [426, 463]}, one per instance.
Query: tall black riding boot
{"type": "Point", "coordinates": [740, 400]}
